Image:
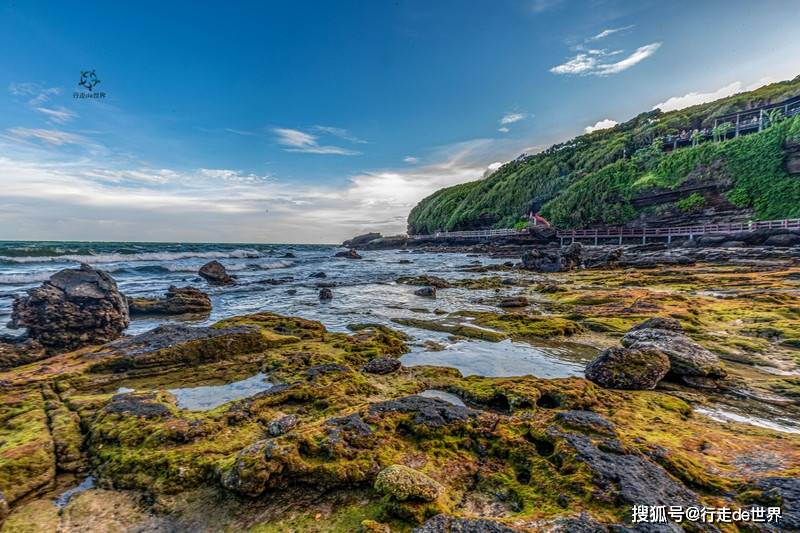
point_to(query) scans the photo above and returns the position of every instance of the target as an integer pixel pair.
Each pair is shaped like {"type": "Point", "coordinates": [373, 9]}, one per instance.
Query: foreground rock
{"type": "Point", "coordinates": [687, 358]}
{"type": "Point", "coordinates": [19, 351]}
{"type": "Point", "coordinates": [215, 274]}
{"type": "Point", "coordinates": [632, 369]}
{"type": "Point", "coordinates": [382, 365]}
{"type": "Point", "coordinates": [403, 483]}
{"type": "Point", "coordinates": [74, 308]}
{"type": "Point", "coordinates": [177, 301]}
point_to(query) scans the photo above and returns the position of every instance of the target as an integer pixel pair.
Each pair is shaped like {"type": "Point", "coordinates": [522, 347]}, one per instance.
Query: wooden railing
{"type": "Point", "coordinates": [622, 232]}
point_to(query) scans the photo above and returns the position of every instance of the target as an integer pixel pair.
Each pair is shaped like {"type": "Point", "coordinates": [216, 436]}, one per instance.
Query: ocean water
{"type": "Point", "coordinates": [365, 291]}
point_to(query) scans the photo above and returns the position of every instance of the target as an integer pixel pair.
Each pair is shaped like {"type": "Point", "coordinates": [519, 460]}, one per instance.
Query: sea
{"type": "Point", "coordinates": [278, 278]}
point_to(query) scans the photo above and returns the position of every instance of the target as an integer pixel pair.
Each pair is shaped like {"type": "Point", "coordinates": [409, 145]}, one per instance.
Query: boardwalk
{"type": "Point", "coordinates": [620, 234]}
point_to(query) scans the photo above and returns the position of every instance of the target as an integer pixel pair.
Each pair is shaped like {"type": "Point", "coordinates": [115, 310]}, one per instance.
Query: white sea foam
{"type": "Point", "coordinates": [21, 279]}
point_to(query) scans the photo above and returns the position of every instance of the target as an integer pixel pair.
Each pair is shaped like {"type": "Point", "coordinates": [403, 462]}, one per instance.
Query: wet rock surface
{"type": "Point", "coordinates": [549, 260]}
{"type": "Point", "coordinates": [74, 308]}
{"type": "Point", "coordinates": [215, 274]}
{"type": "Point", "coordinates": [177, 301]}
{"type": "Point", "coordinates": [426, 292]}
{"type": "Point", "coordinates": [624, 368]}
{"type": "Point", "coordinates": [348, 254]}
{"type": "Point", "coordinates": [325, 294]}
{"type": "Point", "coordinates": [382, 365]}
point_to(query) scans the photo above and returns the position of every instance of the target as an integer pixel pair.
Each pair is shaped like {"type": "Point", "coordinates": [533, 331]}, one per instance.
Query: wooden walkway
{"type": "Point", "coordinates": [620, 234]}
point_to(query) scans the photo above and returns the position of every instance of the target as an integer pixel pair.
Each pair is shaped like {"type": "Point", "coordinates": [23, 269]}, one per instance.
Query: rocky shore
{"type": "Point", "coordinates": [338, 434]}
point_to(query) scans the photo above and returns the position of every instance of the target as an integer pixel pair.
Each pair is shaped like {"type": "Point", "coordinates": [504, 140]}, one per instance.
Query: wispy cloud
{"type": "Point", "coordinates": [695, 98]}
{"type": "Point", "coordinates": [300, 141]}
{"type": "Point", "coordinates": [410, 159]}
{"type": "Point", "coordinates": [596, 62]}
{"type": "Point", "coordinates": [510, 118]}
{"type": "Point", "coordinates": [610, 31]}
{"type": "Point", "coordinates": [59, 115]}
{"type": "Point", "coordinates": [37, 93]}
{"type": "Point", "coordinates": [340, 133]}
{"type": "Point", "coordinates": [539, 6]}
{"type": "Point", "coordinates": [503, 129]}
{"type": "Point", "coordinates": [53, 137]}
{"type": "Point", "coordinates": [601, 125]}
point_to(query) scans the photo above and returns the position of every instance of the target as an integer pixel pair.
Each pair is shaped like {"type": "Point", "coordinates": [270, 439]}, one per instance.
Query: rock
{"type": "Point", "coordinates": [443, 523]}
{"type": "Point", "coordinates": [630, 369]}
{"type": "Point", "coordinates": [318, 275]}
{"type": "Point", "coordinates": [253, 468]}
{"type": "Point", "coordinates": [733, 244]}
{"type": "Point", "coordinates": [18, 351]}
{"type": "Point", "coordinates": [513, 301]}
{"type": "Point", "coordinates": [711, 240]}
{"type": "Point", "coordinates": [215, 274]}
{"type": "Point", "coordinates": [289, 255]}
{"type": "Point", "coordinates": [430, 412]}
{"type": "Point", "coordinates": [3, 509]}
{"type": "Point", "coordinates": [348, 254]}
{"type": "Point", "coordinates": [687, 358]}
{"type": "Point", "coordinates": [426, 292]}
{"type": "Point", "coordinates": [382, 365]}
{"type": "Point", "coordinates": [278, 427]}
{"type": "Point", "coordinates": [142, 405]}
{"type": "Point", "coordinates": [432, 281]}
{"type": "Point", "coordinates": [586, 421]}
{"type": "Point", "coordinates": [177, 301]}
{"type": "Point", "coordinates": [325, 294]}
{"type": "Point", "coordinates": [783, 240]}
{"type": "Point", "coordinates": [791, 149]}
{"type": "Point", "coordinates": [291, 292]}
{"type": "Point", "coordinates": [74, 308]}
{"type": "Point", "coordinates": [547, 260]}
{"type": "Point", "coordinates": [783, 492]}
{"type": "Point", "coordinates": [360, 240]}
{"type": "Point", "coordinates": [405, 262]}
{"type": "Point", "coordinates": [403, 483]}
{"type": "Point", "coordinates": [583, 523]}
{"type": "Point", "coordinates": [659, 322]}
{"type": "Point", "coordinates": [325, 284]}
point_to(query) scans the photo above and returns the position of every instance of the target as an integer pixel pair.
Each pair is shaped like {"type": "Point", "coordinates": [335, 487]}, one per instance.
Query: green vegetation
{"type": "Point", "coordinates": [592, 179]}
{"type": "Point", "coordinates": [693, 202]}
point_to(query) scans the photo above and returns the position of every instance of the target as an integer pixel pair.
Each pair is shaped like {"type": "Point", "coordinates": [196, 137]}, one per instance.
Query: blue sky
{"type": "Point", "coordinates": [313, 121]}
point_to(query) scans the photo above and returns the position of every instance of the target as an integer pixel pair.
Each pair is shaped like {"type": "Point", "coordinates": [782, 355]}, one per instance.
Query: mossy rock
{"type": "Point", "coordinates": [403, 483]}
{"type": "Point", "coordinates": [623, 368]}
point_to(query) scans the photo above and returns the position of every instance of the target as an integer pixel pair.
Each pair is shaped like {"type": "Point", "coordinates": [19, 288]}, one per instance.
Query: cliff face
{"type": "Point", "coordinates": [621, 176]}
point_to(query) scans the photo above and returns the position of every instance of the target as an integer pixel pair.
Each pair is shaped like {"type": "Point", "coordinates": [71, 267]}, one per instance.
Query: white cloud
{"type": "Point", "coordinates": [610, 31]}
{"type": "Point", "coordinates": [510, 118]}
{"type": "Point", "coordinates": [54, 137]}
{"type": "Point", "coordinates": [601, 125]}
{"type": "Point", "coordinates": [694, 98]}
{"type": "Point", "coordinates": [503, 130]}
{"type": "Point", "coordinates": [410, 159]}
{"type": "Point", "coordinates": [339, 132]}
{"type": "Point", "coordinates": [595, 62]}
{"type": "Point", "coordinates": [37, 93]}
{"type": "Point", "coordinates": [539, 6]}
{"type": "Point", "coordinates": [300, 141]}
{"type": "Point", "coordinates": [492, 168]}
{"type": "Point", "coordinates": [60, 115]}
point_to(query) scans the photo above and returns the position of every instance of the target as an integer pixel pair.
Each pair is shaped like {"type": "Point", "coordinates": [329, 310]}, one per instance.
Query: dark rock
{"type": "Point", "coordinates": [252, 469]}
{"type": "Point", "coordinates": [177, 301]}
{"type": "Point", "coordinates": [631, 369]}
{"type": "Point", "coordinates": [348, 254]}
{"type": "Point", "coordinates": [215, 274]}
{"type": "Point", "coordinates": [687, 358]}
{"type": "Point", "coordinates": [18, 351]}
{"type": "Point", "coordinates": [733, 244]}
{"type": "Point", "coordinates": [571, 256]}
{"type": "Point", "coordinates": [581, 523]}
{"type": "Point", "coordinates": [318, 275]}
{"type": "Point", "coordinates": [320, 370]}
{"type": "Point", "coordinates": [143, 405]}
{"type": "Point", "coordinates": [426, 292]}
{"type": "Point", "coordinates": [430, 412]}
{"type": "Point", "coordinates": [432, 281]}
{"type": "Point", "coordinates": [291, 292]}
{"type": "Point", "coordinates": [74, 308]}
{"type": "Point", "coordinates": [783, 240]}
{"type": "Point", "coordinates": [450, 524]}
{"type": "Point", "coordinates": [547, 260]}
{"type": "Point", "coordinates": [405, 262]}
{"type": "Point", "coordinates": [783, 492]}
{"type": "Point", "coordinates": [348, 428]}
{"type": "Point", "coordinates": [711, 240]}
{"type": "Point", "coordinates": [586, 421]}
{"type": "Point", "coordinates": [513, 301]}
{"type": "Point", "coordinates": [278, 427]}
{"type": "Point", "coordinates": [360, 240]}
{"type": "Point", "coordinates": [325, 284]}
{"type": "Point", "coordinates": [659, 322]}
{"type": "Point", "coordinates": [325, 294]}
{"type": "Point", "coordinates": [289, 255]}
{"type": "Point", "coordinates": [382, 365]}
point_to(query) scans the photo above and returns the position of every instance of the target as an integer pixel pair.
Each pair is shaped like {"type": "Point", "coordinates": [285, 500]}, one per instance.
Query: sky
{"type": "Point", "coordinates": [310, 122]}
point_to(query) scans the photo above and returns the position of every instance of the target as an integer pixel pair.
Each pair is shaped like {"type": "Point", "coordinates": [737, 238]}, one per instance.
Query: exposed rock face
{"type": "Point", "coordinates": [442, 523]}
{"type": "Point", "coordinates": [403, 483]}
{"type": "Point", "coordinates": [426, 292]}
{"type": "Point", "coordinates": [19, 351]}
{"type": "Point", "coordinates": [382, 365]}
{"type": "Point", "coordinates": [687, 358]}
{"type": "Point", "coordinates": [75, 307]}
{"type": "Point", "coordinates": [659, 322]}
{"type": "Point", "coordinates": [361, 240]}
{"type": "Point", "coordinates": [792, 162]}
{"type": "Point", "coordinates": [280, 426]}
{"type": "Point", "coordinates": [348, 254]}
{"type": "Point", "coordinates": [433, 281]}
{"type": "Point", "coordinates": [783, 240]}
{"type": "Point", "coordinates": [177, 301]}
{"type": "Point", "coordinates": [215, 274]}
{"type": "Point", "coordinates": [547, 260]}
{"type": "Point", "coordinates": [513, 301]}
{"type": "Point", "coordinates": [622, 368]}
{"type": "Point", "coordinates": [785, 492]}
{"type": "Point", "coordinates": [431, 412]}
{"type": "Point", "coordinates": [325, 294]}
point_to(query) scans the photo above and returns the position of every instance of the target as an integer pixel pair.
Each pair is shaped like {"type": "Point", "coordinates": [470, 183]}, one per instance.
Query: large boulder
{"type": "Point", "coordinates": [783, 240]}
{"type": "Point", "coordinates": [687, 358]}
{"type": "Point", "coordinates": [348, 254]}
{"type": "Point", "coordinates": [75, 307]}
{"type": "Point", "coordinates": [215, 274]}
{"type": "Point", "coordinates": [177, 301]}
{"type": "Point", "coordinates": [623, 368]}
{"type": "Point", "coordinates": [403, 483]}
{"type": "Point", "coordinates": [548, 260]}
